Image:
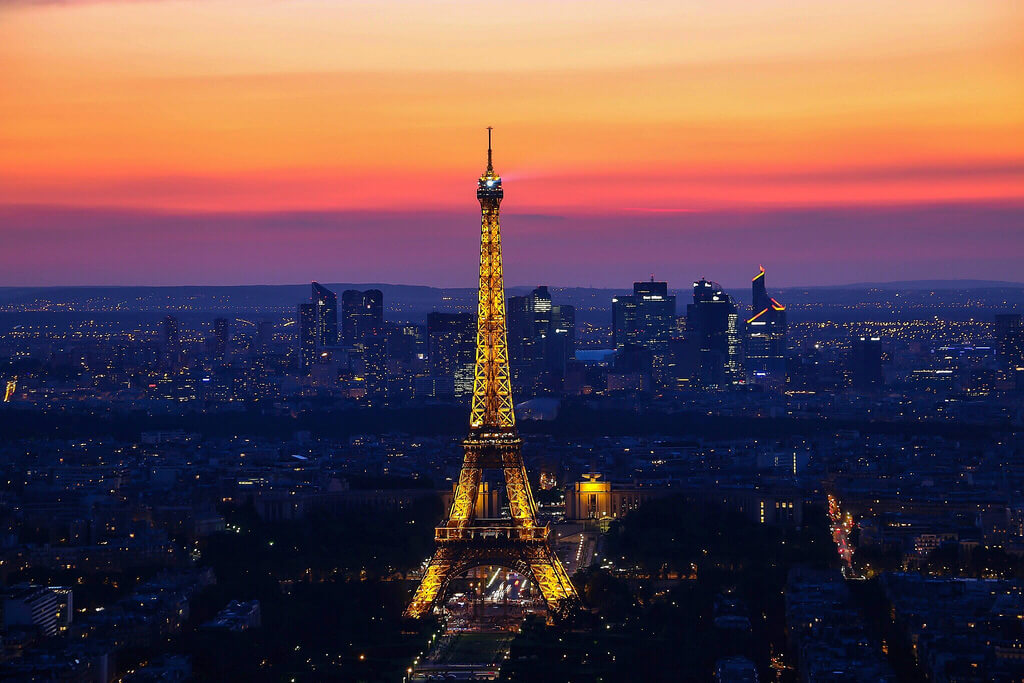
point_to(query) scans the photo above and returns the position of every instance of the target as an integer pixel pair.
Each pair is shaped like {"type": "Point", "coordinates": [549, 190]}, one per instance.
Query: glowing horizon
{"type": "Point", "coordinates": [601, 109]}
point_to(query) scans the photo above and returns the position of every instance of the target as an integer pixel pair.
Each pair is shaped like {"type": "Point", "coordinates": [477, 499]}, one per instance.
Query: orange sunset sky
{"type": "Point", "coordinates": [208, 141]}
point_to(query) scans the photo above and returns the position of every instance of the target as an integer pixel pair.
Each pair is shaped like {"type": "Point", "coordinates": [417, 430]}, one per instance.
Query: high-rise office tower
{"type": "Point", "coordinates": [407, 343]}
{"type": "Point", "coordinates": [1010, 340]}
{"type": "Point", "coordinates": [264, 335]}
{"type": "Point", "coordinates": [542, 336]}
{"type": "Point", "coordinates": [713, 337]}
{"type": "Point", "coordinates": [326, 303]}
{"type": "Point", "coordinates": [646, 317]}
{"type": "Point", "coordinates": [371, 363]}
{"type": "Point", "coordinates": [171, 342]}
{"type": "Point", "coordinates": [307, 336]}
{"type": "Point", "coordinates": [765, 347]}
{"type": "Point", "coordinates": [362, 314]}
{"type": "Point", "coordinates": [220, 338]}
{"type": "Point", "coordinates": [451, 343]}
{"type": "Point", "coordinates": [866, 363]}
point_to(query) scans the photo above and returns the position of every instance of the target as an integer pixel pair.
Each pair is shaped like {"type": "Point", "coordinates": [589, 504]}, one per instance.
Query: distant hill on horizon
{"type": "Point", "coordinates": [922, 284]}
{"type": "Point", "coordinates": [948, 299]}
{"type": "Point", "coordinates": [10, 293]}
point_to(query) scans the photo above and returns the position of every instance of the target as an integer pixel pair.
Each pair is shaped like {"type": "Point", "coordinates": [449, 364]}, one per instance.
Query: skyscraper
{"type": "Point", "coordinates": [1010, 340]}
{"type": "Point", "coordinates": [542, 336]}
{"type": "Point", "coordinates": [645, 319]}
{"type": "Point", "coordinates": [765, 347]}
{"type": "Point", "coordinates": [451, 339]}
{"type": "Point", "coordinates": [307, 336]}
{"type": "Point", "coordinates": [866, 363]}
{"type": "Point", "coordinates": [362, 314]}
{"type": "Point", "coordinates": [220, 338]}
{"type": "Point", "coordinates": [326, 325]}
{"type": "Point", "coordinates": [712, 336]}
{"type": "Point", "coordinates": [171, 342]}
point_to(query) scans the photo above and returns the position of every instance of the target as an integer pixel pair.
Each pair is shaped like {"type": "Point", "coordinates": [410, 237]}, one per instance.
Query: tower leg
{"type": "Point", "coordinates": [555, 585]}
{"type": "Point", "coordinates": [464, 505]}
{"type": "Point", "coordinates": [437, 576]}
{"type": "Point", "coordinates": [517, 486]}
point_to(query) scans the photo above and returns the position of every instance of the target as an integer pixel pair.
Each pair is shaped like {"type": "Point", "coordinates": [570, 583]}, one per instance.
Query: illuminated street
{"type": "Point", "coordinates": [480, 625]}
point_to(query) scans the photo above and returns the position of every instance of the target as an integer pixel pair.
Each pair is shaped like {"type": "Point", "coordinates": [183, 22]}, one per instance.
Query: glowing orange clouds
{"type": "Point", "coordinates": [599, 106]}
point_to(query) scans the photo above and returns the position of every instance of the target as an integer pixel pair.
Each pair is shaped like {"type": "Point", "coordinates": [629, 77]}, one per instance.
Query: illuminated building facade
{"type": "Point", "coordinates": [644, 318]}
{"type": "Point", "coordinates": [541, 340]}
{"type": "Point", "coordinates": [593, 500]}
{"type": "Point", "coordinates": [765, 338]}
{"type": "Point", "coordinates": [451, 352]}
{"type": "Point", "coordinates": [642, 325]}
{"type": "Point", "coordinates": [465, 541]}
{"type": "Point", "coordinates": [713, 337]}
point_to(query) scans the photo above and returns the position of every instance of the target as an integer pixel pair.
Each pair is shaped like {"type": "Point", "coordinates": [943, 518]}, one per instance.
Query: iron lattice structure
{"type": "Point", "coordinates": [519, 542]}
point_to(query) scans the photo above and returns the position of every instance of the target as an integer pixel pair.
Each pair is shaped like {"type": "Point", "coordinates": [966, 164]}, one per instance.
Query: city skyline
{"type": "Point", "coordinates": [686, 140]}
{"type": "Point", "coordinates": [235, 453]}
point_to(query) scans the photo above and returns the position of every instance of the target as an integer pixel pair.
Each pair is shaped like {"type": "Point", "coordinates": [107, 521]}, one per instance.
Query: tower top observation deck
{"type": "Point", "coordinates": [489, 185]}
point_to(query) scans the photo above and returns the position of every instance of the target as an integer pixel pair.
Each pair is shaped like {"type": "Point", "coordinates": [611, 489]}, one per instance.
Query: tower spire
{"type": "Point", "coordinates": [490, 165]}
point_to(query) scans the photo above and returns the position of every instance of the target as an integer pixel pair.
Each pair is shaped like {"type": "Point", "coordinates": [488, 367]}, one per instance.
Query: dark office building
{"type": "Point", "coordinates": [220, 338]}
{"type": "Point", "coordinates": [646, 317]}
{"type": "Point", "coordinates": [307, 336]}
{"type": "Point", "coordinates": [765, 339]}
{"type": "Point", "coordinates": [1010, 340]}
{"type": "Point", "coordinates": [541, 336]}
{"type": "Point", "coordinates": [326, 303]}
{"type": "Point", "coordinates": [451, 351]}
{"type": "Point", "coordinates": [712, 337]}
{"type": "Point", "coordinates": [171, 341]}
{"type": "Point", "coordinates": [264, 335]}
{"type": "Point", "coordinates": [866, 363]}
{"type": "Point", "coordinates": [370, 364]}
{"type": "Point", "coordinates": [362, 314]}
{"type": "Point", "coordinates": [407, 343]}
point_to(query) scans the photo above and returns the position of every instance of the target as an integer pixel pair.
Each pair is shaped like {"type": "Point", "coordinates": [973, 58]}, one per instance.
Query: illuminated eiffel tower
{"type": "Point", "coordinates": [517, 542]}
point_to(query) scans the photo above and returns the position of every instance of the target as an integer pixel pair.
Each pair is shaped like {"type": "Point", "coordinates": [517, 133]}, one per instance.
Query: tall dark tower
{"type": "Point", "coordinates": [221, 334]}
{"type": "Point", "coordinates": [517, 542]}
{"type": "Point", "coordinates": [761, 300]}
{"type": "Point", "coordinates": [712, 332]}
{"type": "Point", "coordinates": [326, 303]}
{"type": "Point", "coordinates": [307, 336]}
{"type": "Point", "coordinates": [362, 315]}
{"type": "Point", "coordinates": [765, 339]}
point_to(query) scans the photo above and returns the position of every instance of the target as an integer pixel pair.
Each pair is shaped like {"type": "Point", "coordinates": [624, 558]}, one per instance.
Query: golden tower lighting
{"type": "Point", "coordinates": [517, 542]}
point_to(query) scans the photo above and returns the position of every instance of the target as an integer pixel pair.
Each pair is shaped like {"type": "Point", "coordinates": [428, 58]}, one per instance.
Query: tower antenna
{"type": "Point", "coordinates": [490, 166]}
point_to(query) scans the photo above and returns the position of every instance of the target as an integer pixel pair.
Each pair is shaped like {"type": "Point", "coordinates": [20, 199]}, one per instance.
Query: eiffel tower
{"type": "Point", "coordinates": [517, 542]}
